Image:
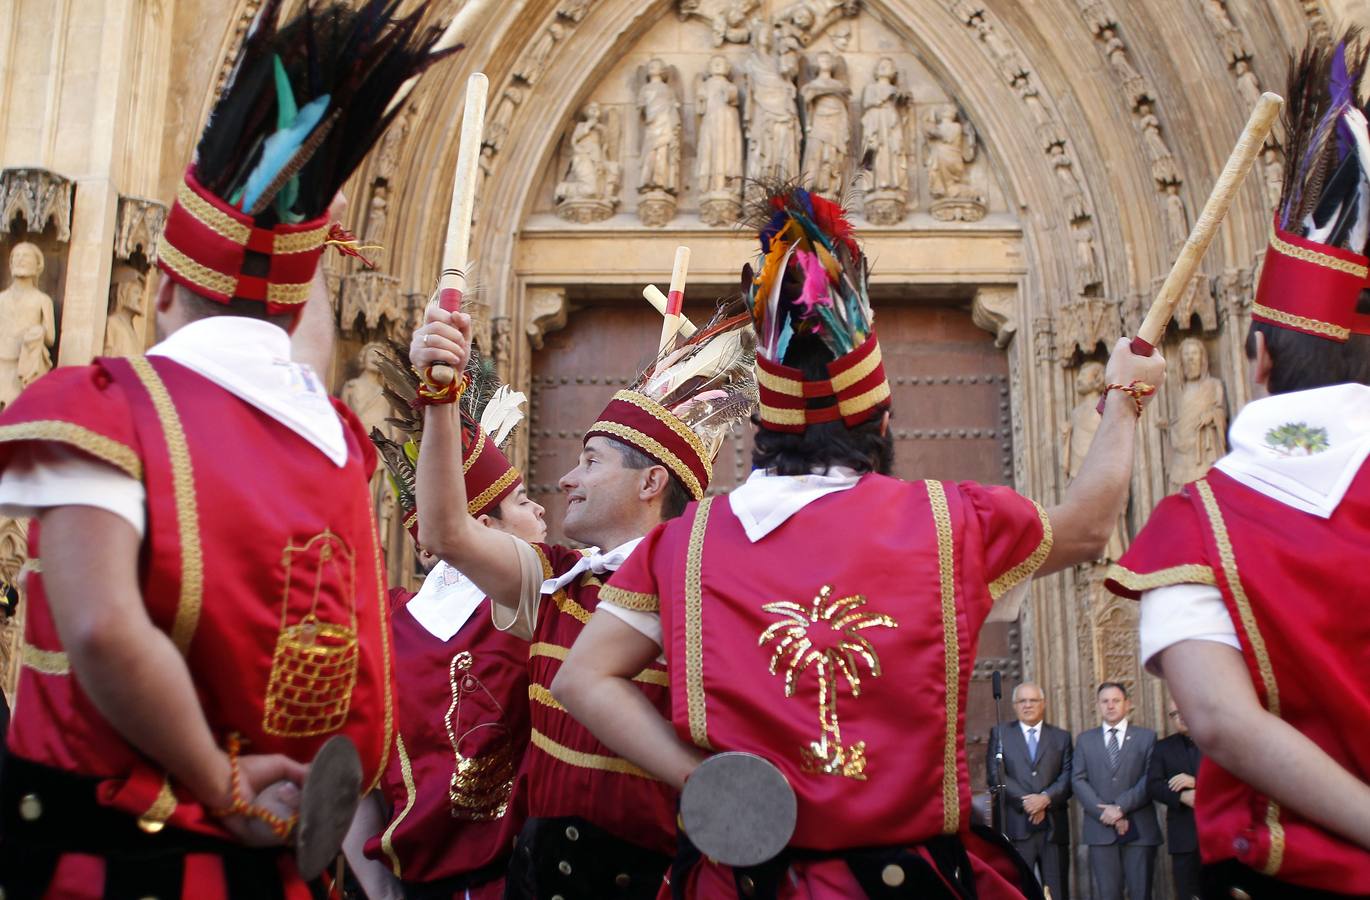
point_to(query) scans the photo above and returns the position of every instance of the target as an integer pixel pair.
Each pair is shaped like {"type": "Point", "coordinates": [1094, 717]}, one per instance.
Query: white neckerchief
{"type": "Point", "coordinates": [250, 359]}
{"type": "Point", "coordinates": [445, 602]}
{"type": "Point", "coordinates": [764, 501]}
{"type": "Point", "coordinates": [1315, 482]}
{"type": "Point", "coordinates": [592, 561]}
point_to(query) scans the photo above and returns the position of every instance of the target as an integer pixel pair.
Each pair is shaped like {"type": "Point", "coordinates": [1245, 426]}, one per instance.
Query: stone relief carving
{"type": "Point", "coordinates": [1077, 434]}
{"type": "Point", "coordinates": [1248, 85]}
{"type": "Point", "coordinates": [498, 125]}
{"type": "Point", "coordinates": [1229, 38]}
{"type": "Point", "coordinates": [1072, 193]}
{"type": "Point", "coordinates": [659, 114]}
{"type": "Point", "coordinates": [1176, 216]}
{"type": "Point", "coordinates": [804, 21]}
{"type": "Point", "coordinates": [995, 309]}
{"type": "Point", "coordinates": [590, 190]}
{"type": "Point", "coordinates": [372, 298]}
{"type": "Point", "coordinates": [388, 157]}
{"type": "Point", "coordinates": [827, 112]}
{"type": "Point", "coordinates": [1007, 58]}
{"type": "Point", "coordinates": [124, 325]}
{"type": "Point", "coordinates": [40, 197]}
{"type": "Point", "coordinates": [28, 324]}
{"type": "Point", "coordinates": [1198, 433]}
{"type": "Point", "coordinates": [951, 149]}
{"type": "Point", "coordinates": [1088, 273]}
{"type": "Point", "coordinates": [137, 224]}
{"type": "Point", "coordinates": [1272, 173]}
{"type": "Point", "coordinates": [772, 112]}
{"type": "Point", "coordinates": [730, 21]}
{"type": "Point", "coordinates": [546, 313]}
{"type": "Point", "coordinates": [531, 67]}
{"type": "Point", "coordinates": [1085, 321]}
{"type": "Point", "coordinates": [1163, 167]}
{"type": "Point", "coordinates": [1115, 639]}
{"type": "Point", "coordinates": [574, 10]}
{"type": "Point", "coordinates": [1134, 85]}
{"type": "Point", "coordinates": [364, 394]}
{"type": "Point", "coordinates": [376, 215]}
{"type": "Point", "coordinates": [502, 346]}
{"type": "Point", "coordinates": [884, 105]}
{"type": "Point", "coordinates": [718, 162]}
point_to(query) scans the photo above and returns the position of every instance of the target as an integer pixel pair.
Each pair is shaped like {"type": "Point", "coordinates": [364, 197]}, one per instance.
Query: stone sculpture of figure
{"type": "Point", "coordinates": [732, 24]}
{"type": "Point", "coordinates": [827, 111]}
{"type": "Point", "coordinates": [1248, 85]}
{"type": "Point", "coordinates": [1078, 433]}
{"type": "Point", "coordinates": [531, 66]}
{"type": "Point", "coordinates": [1088, 272]}
{"type": "Point", "coordinates": [884, 104]}
{"type": "Point", "coordinates": [498, 126]}
{"type": "Point", "coordinates": [28, 324]}
{"type": "Point", "coordinates": [1134, 85]}
{"type": "Point", "coordinates": [364, 394]}
{"type": "Point", "coordinates": [1162, 160]}
{"type": "Point", "coordinates": [590, 191]}
{"type": "Point", "coordinates": [1072, 195]}
{"type": "Point", "coordinates": [123, 325]}
{"type": "Point", "coordinates": [1176, 217]}
{"type": "Point", "coordinates": [772, 113]}
{"type": "Point", "coordinates": [951, 148]}
{"type": "Point", "coordinates": [1198, 434]}
{"type": "Point", "coordinates": [1272, 170]}
{"type": "Point", "coordinates": [718, 159]}
{"type": "Point", "coordinates": [659, 176]}
{"type": "Point", "coordinates": [388, 159]}
{"type": "Point", "coordinates": [1229, 38]}
{"type": "Point", "coordinates": [375, 217]}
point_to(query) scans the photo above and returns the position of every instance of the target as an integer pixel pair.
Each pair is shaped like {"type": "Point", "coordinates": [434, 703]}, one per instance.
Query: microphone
{"type": "Point", "coordinates": [998, 682]}
{"type": "Point", "coordinates": [999, 790]}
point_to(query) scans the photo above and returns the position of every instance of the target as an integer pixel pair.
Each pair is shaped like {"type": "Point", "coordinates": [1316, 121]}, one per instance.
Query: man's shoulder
{"type": "Point", "coordinates": [1141, 732]}
{"type": "Point", "coordinates": [1170, 741]}
{"type": "Point", "coordinates": [1048, 728]}
{"type": "Point", "coordinates": [1088, 734]}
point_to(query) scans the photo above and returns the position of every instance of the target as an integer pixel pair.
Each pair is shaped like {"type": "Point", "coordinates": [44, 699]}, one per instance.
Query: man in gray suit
{"type": "Point", "coordinates": [1037, 784]}
{"type": "Point", "coordinates": [1110, 778]}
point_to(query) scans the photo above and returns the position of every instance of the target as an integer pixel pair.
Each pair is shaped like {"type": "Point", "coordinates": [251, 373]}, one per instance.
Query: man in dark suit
{"type": "Point", "coordinates": [1109, 774]}
{"type": "Point", "coordinates": [1037, 786]}
{"type": "Point", "coordinates": [1174, 763]}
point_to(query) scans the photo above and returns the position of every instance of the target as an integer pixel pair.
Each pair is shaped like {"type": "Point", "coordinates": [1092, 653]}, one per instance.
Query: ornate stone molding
{"type": "Point", "coordinates": [547, 311]}
{"type": "Point", "coordinates": [995, 309]}
{"type": "Point", "coordinates": [137, 226]}
{"type": "Point", "coordinates": [40, 196]}
{"type": "Point", "coordinates": [372, 297]}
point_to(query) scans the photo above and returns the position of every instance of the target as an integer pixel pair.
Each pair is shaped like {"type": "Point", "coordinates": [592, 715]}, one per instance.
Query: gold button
{"type": "Point", "coordinates": [558, 897]}
{"type": "Point", "coordinates": [892, 875]}
{"type": "Point", "coordinates": [1239, 894]}
{"type": "Point", "coordinates": [564, 867]}
{"type": "Point", "coordinates": [748, 886]}
{"type": "Point", "coordinates": [30, 807]}
{"type": "Point", "coordinates": [150, 826]}
{"type": "Point", "coordinates": [572, 833]}
{"type": "Point", "coordinates": [622, 879]}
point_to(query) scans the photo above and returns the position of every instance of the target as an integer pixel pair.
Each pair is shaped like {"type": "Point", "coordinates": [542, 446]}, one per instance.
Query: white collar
{"type": "Point", "coordinates": [592, 561]}
{"type": "Point", "coordinates": [1122, 730]}
{"type": "Point", "coordinates": [1337, 416]}
{"type": "Point", "coordinates": [445, 602]}
{"type": "Point", "coordinates": [764, 501]}
{"type": "Point", "coordinates": [250, 359]}
{"type": "Point", "coordinates": [1026, 727]}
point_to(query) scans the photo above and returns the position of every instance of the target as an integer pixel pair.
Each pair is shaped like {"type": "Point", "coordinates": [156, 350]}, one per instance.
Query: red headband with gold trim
{"type": "Point", "coordinates": [855, 390]}
{"type": "Point", "coordinates": [1309, 287]}
{"type": "Point", "coordinates": [490, 477]}
{"type": "Point", "coordinates": [206, 243]}
{"type": "Point", "coordinates": [637, 420]}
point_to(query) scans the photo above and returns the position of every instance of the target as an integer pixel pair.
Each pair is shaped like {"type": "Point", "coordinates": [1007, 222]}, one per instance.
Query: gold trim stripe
{"type": "Point", "coordinates": [210, 216]}
{"type": "Point", "coordinates": [1326, 260]}
{"type": "Point", "coordinates": [410, 795]}
{"type": "Point", "coordinates": [1024, 570]}
{"type": "Point", "coordinates": [187, 511]}
{"type": "Point", "coordinates": [1258, 649]}
{"type": "Point", "coordinates": [45, 662]}
{"type": "Point", "coordinates": [638, 602]}
{"type": "Point", "coordinates": [1193, 573]}
{"type": "Point", "coordinates": [951, 648]}
{"type": "Point", "coordinates": [556, 651]}
{"type": "Point", "coordinates": [162, 808]}
{"type": "Point", "coordinates": [671, 421]}
{"type": "Point", "coordinates": [107, 449]}
{"type": "Point", "coordinates": [202, 277]}
{"type": "Point", "coordinates": [780, 416]}
{"type": "Point", "coordinates": [790, 387]}
{"type": "Point", "coordinates": [493, 491]}
{"type": "Point", "coordinates": [287, 294]}
{"type": "Point", "coordinates": [583, 760]}
{"type": "Point", "coordinates": [844, 380]}
{"type": "Point", "coordinates": [694, 627]}
{"type": "Point", "coordinates": [865, 400]}
{"type": "Point", "coordinates": [655, 448]}
{"type": "Point", "coordinates": [1336, 332]}
{"type": "Point", "coordinates": [387, 679]}
{"type": "Point", "coordinates": [470, 459]}
{"type": "Point", "coordinates": [539, 694]}
{"type": "Point", "coordinates": [299, 241]}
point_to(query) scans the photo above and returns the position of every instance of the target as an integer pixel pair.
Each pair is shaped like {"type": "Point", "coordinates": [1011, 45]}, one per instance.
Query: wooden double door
{"type": "Point", "coordinates": [952, 421]}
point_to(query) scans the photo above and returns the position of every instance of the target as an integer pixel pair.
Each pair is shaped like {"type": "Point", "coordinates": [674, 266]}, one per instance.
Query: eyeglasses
{"type": "Point", "coordinates": [1029, 701]}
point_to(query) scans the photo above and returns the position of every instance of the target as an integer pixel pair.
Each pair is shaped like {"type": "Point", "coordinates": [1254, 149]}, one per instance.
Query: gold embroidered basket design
{"type": "Point", "coordinates": [314, 667]}
{"type": "Point", "coordinates": [481, 785]}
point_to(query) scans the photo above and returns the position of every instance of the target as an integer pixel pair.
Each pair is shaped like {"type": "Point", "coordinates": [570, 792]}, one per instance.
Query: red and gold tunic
{"type": "Point", "coordinates": [569, 772]}
{"type": "Point", "coordinates": [1285, 579]}
{"type": "Point", "coordinates": [839, 647]}
{"type": "Point", "coordinates": [260, 559]}
{"type": "Point", "coordinates": [463, 727]}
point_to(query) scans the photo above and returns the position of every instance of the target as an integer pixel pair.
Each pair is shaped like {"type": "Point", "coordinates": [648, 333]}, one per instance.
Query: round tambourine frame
{"type": "Point", "coordinates": [738, 809]}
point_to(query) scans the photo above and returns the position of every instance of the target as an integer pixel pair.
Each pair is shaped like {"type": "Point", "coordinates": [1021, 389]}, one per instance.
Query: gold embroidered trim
{"type": "Point", "coordinates": [410, 795]}
{"type": "Point", "coordinates": [570, 607]}
{"type": "Point", "coordinates": [1258, 649]}
{"type": "Point", "coordinates": [790, 387]}
{"type": "Point", "coordinates": [202, 277]}
{"type": "Point", "coordinates": [671, 421]}
{"type": "Point", "coordinates": [946, 563]}
{"type": "Point", "coordinates": [1193, 573]}
{"type": "Point", "coordinates": [655, 448]}
{"type": "Point", "coordinates": [1025, 569]}
{"type": "Point", "coordinates": [633, 600]}
{"type": "Point", "coordinates": [844, 380]}
{"type": "Point", "coordinates": [97, 445]}
{"type": "Point", "coordinates": [46, 662]}
{"type": "Point", "coordinates": [382, 604]}
{"type": "Point", "coordinates": [287, 293]}
{"type": "Point", "coordinates": [781, 416]}
{"type": "Point", "coordinates": [300, 241]}
{"type": "Point", "coordinates": [210, 216]}
{"type": "Point", "coordinates": [187, 510]}
{"type": "Point", "coordinates": [470, 459]}
{"type": "Point", "coordinates": [539, 694]}
{"type": "Point", "coordinates": [155, 819]}
{"type": "Point", "coordinates": [865, 400]}
{"type": "Point", "coordinates": [583, 760]}
{"type": "Point", "coordinates": [1326, 260]}
{"type": "Point", "coordinates": [558, 652]}
{"type": "Point", "coordinates": [493, 491]}
{"type": "Point", "coordinates": [1281, 317]}
{"type": "Point", "coordinates": [694, 627]}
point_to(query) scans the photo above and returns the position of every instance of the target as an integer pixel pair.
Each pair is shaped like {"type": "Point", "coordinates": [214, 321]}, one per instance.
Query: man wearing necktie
{"type": "Point", "coordinates": [1171, 783]}
{"type": "Point", "coordinates": [1109, 774]}
{"type": "Point", "coordinates": [1037, 766]}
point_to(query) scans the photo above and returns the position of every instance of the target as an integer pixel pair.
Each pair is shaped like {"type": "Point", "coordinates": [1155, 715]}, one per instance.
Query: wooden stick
{"type": "Point", "coordinates": [670, 322]}
{"type": "Point", "coordinates": [659, 302]}
{"type": "Point", "coordinates": [456, 248]}
{"type": "Point", "coordinates": [1233, 174]}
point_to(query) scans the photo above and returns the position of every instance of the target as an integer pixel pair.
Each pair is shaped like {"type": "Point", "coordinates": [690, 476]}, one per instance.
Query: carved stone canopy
{"type": "Point", "coordinates": [40, 196]}
{"type": "Point", "coordinates": [137, 226]}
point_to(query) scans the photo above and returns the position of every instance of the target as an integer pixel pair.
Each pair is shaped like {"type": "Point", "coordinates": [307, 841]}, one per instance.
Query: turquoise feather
{"type": "Point", "coordinates": [293, 127]}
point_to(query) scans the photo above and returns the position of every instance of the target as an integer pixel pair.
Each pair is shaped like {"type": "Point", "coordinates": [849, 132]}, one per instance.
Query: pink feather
{"type": "Point", "coordinates": [815, 290]}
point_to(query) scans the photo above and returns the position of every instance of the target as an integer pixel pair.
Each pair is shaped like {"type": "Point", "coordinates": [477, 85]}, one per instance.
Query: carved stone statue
{"type": "Point", "coordinates": [376, 216]}
{"type": "Point", "coordinates": [590, 191]}
{"type": "Point", "coordinates": [828, 113]}
{"type": "Point", "coordinates": [951, 147]}
{"type": "Point", "coordinates": [1163, 167]}
{"type": "Point", "coordinates": [1176, 216]}
{"type": "Point", "coordinates": [530, 68]}
{"type": "Point", "coordinates": [1134, 85]}
{"type": "Point", "coordinates": [718, 158]}
{"type": "Point", "coordinates": [1077, 434]}
{"type": "Point", "coordinates": [388, 158]}
{"type": "Point", "coordinates": [1248, 85]}
{"type": "Point", "coordinates": [124, 324]}
{"type": "Point", "coordinates": [659, 178]}
{"type": "Point", "coordinates": [884, 105]}
{"type": "Point", "coordinates": [772, 113]}
{"type": "Point", "coordinates": [1198, 434]}
{"type": "Point", "coordinates": [1229, 38]}
{"type": "Point", "coordinates": [498, 126]}
{"type": "Point", "coordinates": [1272, 171]}
{"type": "Point", "coordinates": [28, 324]}
{"type": "Point", "coordinates": [730, 21]}
{"type": "Point", "coordinates": [364, 394]}
{"type": "Point", "coordinates": [1072, 194]}
{"type": "Point", "coordinates": [1088, 272]}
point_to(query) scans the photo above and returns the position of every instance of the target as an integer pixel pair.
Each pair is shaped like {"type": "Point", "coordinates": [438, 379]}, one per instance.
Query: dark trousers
{"type": "Point", "coordinates": [1050, 862]}
{"type": "Point", "coordinates": [1222, 880]}
{"type": "Point", "coordinates": [575, 860]}
{"type": "Point", "coordinates": [1185, 868]}
{"type": "Point", "coordinates": [1114, 865]}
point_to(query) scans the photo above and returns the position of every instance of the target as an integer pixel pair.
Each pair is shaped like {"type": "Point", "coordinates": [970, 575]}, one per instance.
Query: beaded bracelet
{"type": "Point", "coordinates": [1136, 390]}
{"type": "Point", "coordinates": [240, 807]}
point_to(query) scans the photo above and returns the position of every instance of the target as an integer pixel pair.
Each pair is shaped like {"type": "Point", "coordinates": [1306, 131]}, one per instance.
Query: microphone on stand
{"type": "Point", "coordinates": [999, 789]}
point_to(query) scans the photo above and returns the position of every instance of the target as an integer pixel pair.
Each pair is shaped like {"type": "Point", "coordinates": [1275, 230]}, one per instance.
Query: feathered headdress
{"type": "Point", "coordinates": [812, 280]}
{"type": "Point", "coordinates": [490, 411]}
{"type": "Point", "coordinates": [303, 105]}
{"type": "Point", "coordinates": [1316, 266]}
{"type": "Point", "coordinates": [681, 407]}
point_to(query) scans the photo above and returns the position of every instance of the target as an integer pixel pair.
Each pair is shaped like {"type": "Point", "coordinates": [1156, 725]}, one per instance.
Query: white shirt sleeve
{"type": "Point", "coordinates": [1183, 612]}
{"type": "Point", "coordinates": [648, 624]}
{"type": "Point", "coordinates": [42, 476]}
{"type": "Point", "coordinates": [522, 621]}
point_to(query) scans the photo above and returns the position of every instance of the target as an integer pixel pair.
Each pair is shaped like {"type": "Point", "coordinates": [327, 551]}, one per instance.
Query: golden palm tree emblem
{"type": "Point", "coordinates": [834, 653]}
